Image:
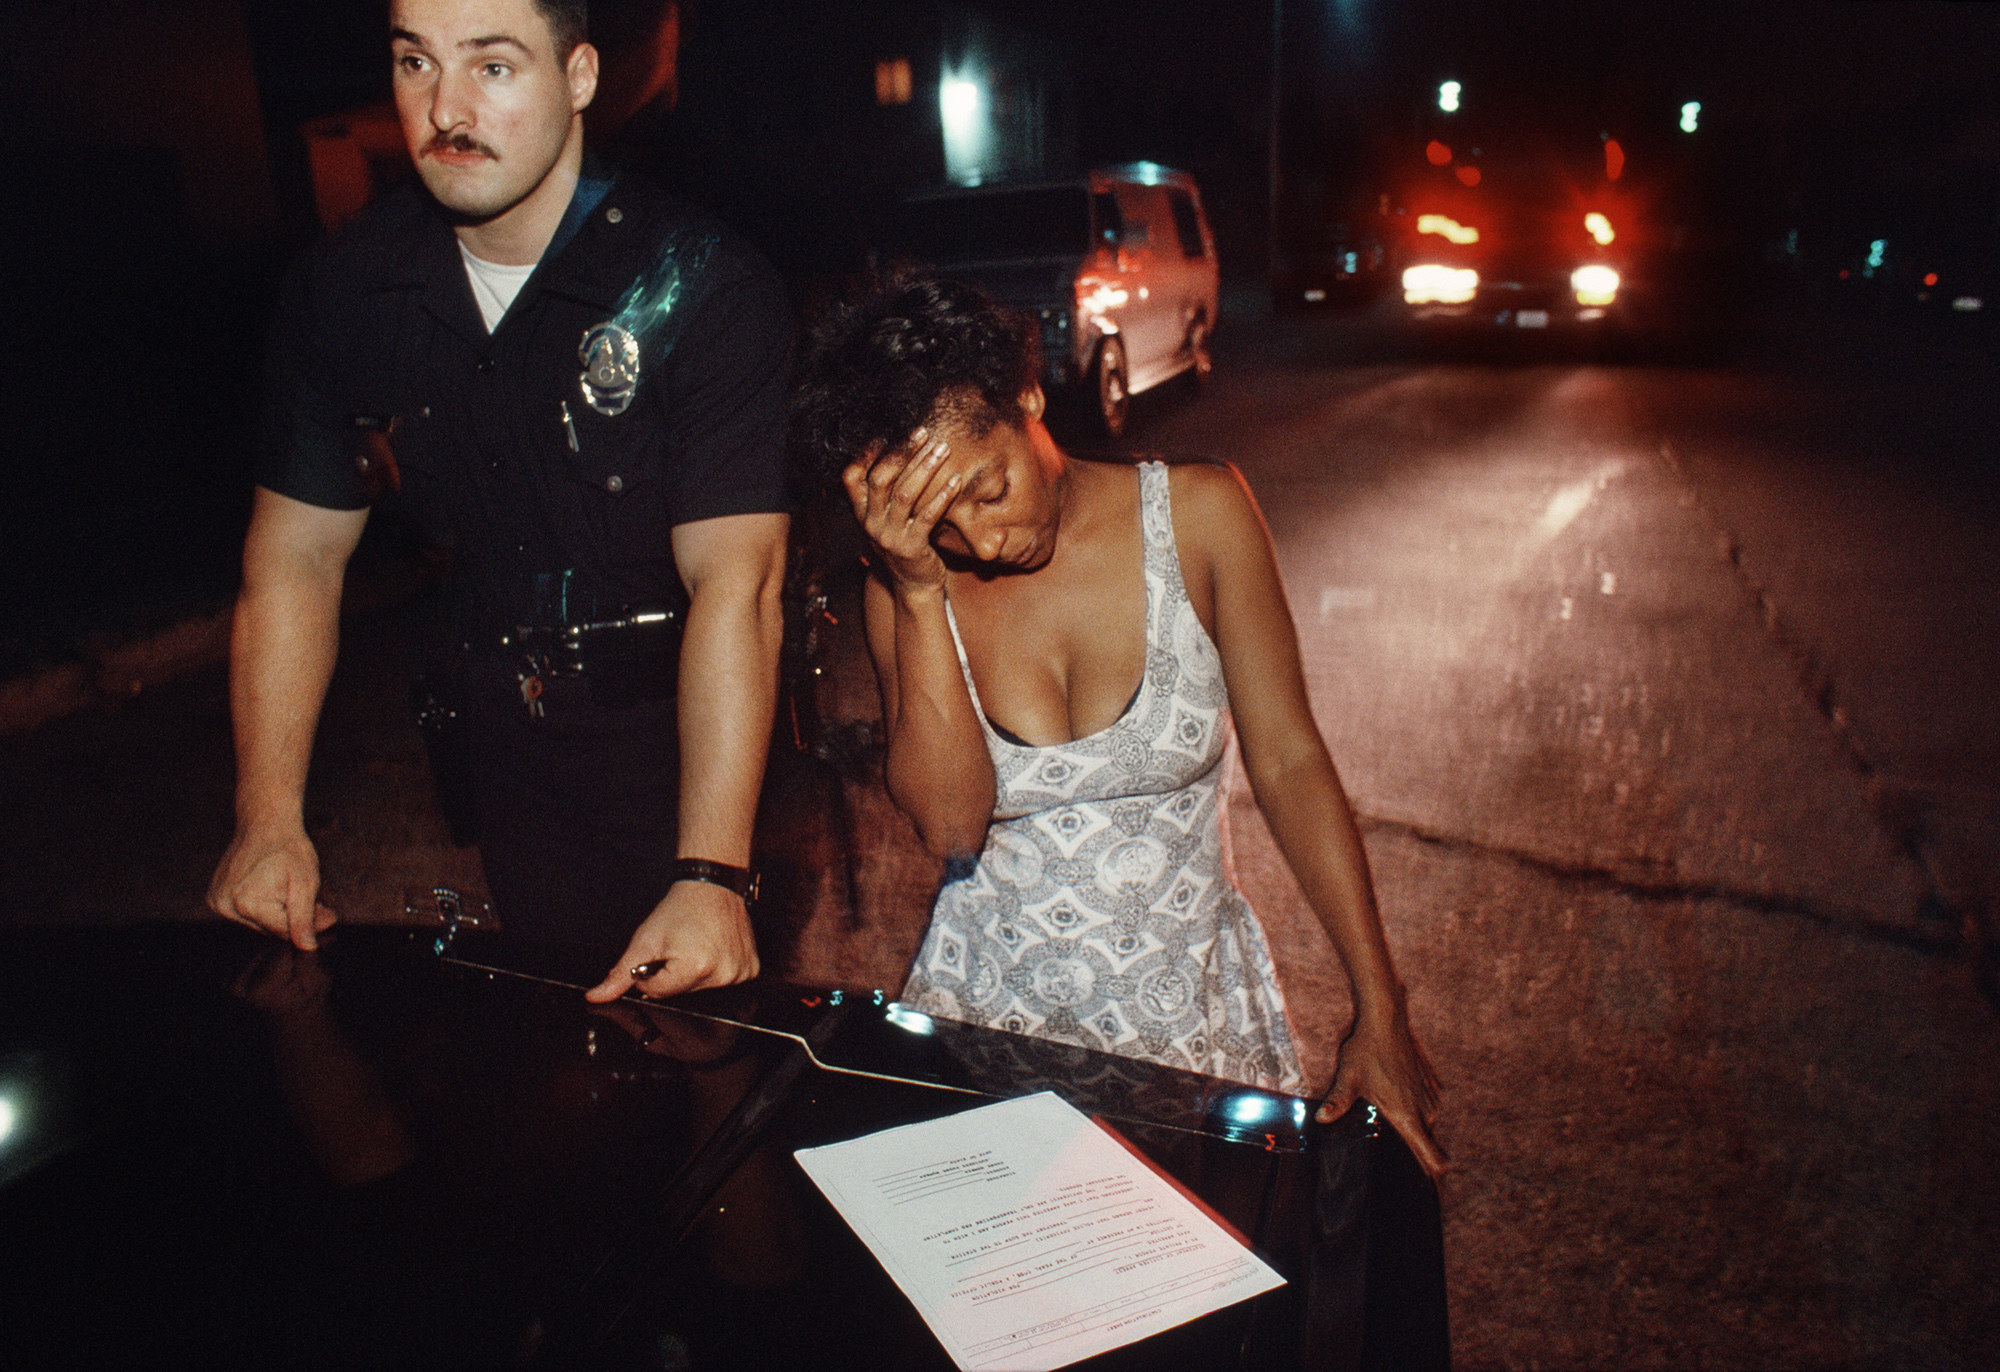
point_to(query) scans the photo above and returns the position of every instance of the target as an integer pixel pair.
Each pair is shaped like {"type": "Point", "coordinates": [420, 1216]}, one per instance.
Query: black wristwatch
{"type": "Point", "coordinates": [741, 880]}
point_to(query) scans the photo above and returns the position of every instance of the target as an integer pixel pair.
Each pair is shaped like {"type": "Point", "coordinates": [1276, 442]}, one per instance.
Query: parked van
{"type": "Point", "coordinates": [1118, 264]}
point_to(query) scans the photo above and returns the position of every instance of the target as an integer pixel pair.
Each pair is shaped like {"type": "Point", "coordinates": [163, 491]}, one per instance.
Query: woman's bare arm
{"type": "Point", "coordinates": [1292, 776]}
{"type": "Point", "coordinates": [938, 771]}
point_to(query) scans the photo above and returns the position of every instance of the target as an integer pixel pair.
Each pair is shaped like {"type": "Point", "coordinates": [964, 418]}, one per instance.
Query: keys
{"type": "Point", "coordinates": [531, 693]}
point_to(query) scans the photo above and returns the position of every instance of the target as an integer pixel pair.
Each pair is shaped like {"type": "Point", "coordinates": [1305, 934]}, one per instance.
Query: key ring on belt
{"type": "Point", "coordinates": [567, 649]}
{"type": "Point", "coordinates": [542, 653]}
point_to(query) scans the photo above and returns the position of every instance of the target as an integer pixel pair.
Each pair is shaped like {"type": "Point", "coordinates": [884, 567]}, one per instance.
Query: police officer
{"type": "Point", "coordinates": [578, 384]}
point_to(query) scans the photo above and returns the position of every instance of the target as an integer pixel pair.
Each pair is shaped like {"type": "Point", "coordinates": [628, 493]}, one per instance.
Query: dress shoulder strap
{"type": "Point", "coordinates": [1156, 510]}
{"type": "Point", "coordinates": [1166, 594]}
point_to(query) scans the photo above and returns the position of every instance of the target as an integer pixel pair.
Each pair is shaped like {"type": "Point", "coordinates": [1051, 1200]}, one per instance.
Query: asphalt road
{"type": "Point", "coordinates": [1661, 692]}
{"type": "Point", "coordinates": [1662, 688]}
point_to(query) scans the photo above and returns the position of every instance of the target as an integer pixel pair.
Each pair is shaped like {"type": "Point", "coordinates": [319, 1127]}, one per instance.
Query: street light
{"type": "Point", "coordinates": [1448, 94]}
{"type": "Point", "coordinates": [967, 130]}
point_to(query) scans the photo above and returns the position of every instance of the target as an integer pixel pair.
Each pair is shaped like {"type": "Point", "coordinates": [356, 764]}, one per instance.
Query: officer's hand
{"type": "Point", "coordinates": [271, 882]}
{"type": "Point", "coordinates": [700, 931]}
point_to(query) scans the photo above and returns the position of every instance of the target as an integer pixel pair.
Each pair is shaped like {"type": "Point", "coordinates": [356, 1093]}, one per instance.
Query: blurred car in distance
{"type": "Point", "coordinates": [1117, 264]}
{"type": "Point", "coordinates": [1520, 235]}
{"type": "Point", "coordinates": [1331, 261]}
{"type": "Point", "coordinates": [1938, 269]}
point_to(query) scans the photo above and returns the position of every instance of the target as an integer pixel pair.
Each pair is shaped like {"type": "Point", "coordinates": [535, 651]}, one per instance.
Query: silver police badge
{"type": "Point", "coordinates": [610, 357]}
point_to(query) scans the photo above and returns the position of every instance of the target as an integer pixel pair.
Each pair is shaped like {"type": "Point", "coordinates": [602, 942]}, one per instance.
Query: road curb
{"type": "Point", "coordinates": [107, 670]}
{"type": "Point", "coordinates": [111, 672]}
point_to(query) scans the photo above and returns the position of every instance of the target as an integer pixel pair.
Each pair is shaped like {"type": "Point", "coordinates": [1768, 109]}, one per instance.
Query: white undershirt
{"type": "Point", "coordinates": [494, 285]}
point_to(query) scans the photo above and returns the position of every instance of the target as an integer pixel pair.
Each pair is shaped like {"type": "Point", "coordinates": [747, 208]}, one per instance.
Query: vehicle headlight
{"type": "Point", "coordinates": [1431, 283]}
{"type": "Point", "coordinates": [1595, 284]}
{"type": "Point", "coordinates": [1447, 228]}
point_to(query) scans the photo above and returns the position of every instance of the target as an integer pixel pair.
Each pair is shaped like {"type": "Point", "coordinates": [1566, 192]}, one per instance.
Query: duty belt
{"type": "Point", "coordinates": [540, 652]}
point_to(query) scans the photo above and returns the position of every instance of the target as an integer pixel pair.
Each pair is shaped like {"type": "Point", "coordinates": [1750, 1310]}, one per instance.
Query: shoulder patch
{"type": "Point", "coordinates": [649, 313]}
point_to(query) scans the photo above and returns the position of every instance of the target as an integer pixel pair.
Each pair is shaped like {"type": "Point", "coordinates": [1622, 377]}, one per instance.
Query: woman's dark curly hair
{"type": "Point", "coordinates": [877, 365]}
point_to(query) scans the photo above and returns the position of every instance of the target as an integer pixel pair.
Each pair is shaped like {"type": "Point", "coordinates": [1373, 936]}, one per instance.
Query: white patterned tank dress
{"type": "Point", "coordinates": [1103, 910]}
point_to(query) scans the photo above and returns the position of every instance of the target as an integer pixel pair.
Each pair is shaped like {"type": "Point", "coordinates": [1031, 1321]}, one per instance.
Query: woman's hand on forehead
{"type": "Point", "coordinates": [899, 494]}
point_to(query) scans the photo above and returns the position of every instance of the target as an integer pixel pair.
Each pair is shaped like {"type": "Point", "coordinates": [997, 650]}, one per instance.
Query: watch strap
{"type": "Point", "coordinates": [741, 880]}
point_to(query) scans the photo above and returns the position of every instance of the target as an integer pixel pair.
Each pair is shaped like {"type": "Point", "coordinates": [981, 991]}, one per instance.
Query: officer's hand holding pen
{"type": "Point", "coordinates": [698, 936]}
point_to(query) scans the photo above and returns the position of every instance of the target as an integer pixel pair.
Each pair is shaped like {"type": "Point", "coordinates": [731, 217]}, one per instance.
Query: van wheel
{"type": "Point", "coordinates": [1200, 350]}
{"type": "Point", "coordinates": [1114, 397]}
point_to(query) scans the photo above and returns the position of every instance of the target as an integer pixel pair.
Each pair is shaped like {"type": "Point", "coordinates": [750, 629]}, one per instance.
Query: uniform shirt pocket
{"type": "Point", "coordinates": [617, 498]}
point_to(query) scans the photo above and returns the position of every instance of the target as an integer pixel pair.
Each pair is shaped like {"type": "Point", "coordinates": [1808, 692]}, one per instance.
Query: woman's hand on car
{"type": "Point", "coordinates": [1381, 1063]}
{"type": "Point", "coordinates": [899, 495]}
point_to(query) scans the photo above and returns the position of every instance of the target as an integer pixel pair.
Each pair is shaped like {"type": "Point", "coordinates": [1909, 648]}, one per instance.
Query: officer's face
{"type": "Point", "coordinates": [487, 104]}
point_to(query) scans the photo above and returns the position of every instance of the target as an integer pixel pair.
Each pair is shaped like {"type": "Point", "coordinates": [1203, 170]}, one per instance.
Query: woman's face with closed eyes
{"type": "Point", "coordinates": [1009, 505]}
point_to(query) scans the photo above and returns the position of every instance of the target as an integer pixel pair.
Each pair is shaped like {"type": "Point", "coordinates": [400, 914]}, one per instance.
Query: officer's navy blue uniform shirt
{"type": "Point", "coordinates": [497, 447]}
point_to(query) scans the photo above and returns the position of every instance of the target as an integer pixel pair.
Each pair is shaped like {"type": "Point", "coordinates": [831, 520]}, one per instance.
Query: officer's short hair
{"type": "Point", "coordinates": [569, 23]}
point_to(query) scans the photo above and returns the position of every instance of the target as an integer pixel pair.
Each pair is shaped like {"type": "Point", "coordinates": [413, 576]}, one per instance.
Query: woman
{"type": "Point", "coordinates": [1018, 595]}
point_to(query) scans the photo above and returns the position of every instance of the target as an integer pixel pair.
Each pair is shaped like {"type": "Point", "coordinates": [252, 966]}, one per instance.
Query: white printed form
{"type": "Point", "coordinates": [1028, 1237]}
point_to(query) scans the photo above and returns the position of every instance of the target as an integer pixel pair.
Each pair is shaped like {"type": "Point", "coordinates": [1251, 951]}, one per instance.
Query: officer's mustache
{"type": "Point", "coordinates": [459, 142]}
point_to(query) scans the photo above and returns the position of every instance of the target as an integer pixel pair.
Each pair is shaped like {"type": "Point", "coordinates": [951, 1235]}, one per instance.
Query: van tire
{"type": "Point", "coordinates": [1200, 350]}
{"type": "Point", "coordinates": [1114, 390]}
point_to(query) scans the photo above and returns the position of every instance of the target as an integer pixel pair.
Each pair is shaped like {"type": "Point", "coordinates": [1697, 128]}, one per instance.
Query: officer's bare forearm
{"type": "Point", "coordinates": [728, 680]}
{"type": "Point", "coordinates": [728, 692]}
{"type": "Point", "coordinates": [281, 658]}
{"type": "Point", "coordinates": [283, 643]}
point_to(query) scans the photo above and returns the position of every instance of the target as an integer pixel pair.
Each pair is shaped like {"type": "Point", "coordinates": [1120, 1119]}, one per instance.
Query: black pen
{"type": "Point", "coordinates": [649, 969]}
